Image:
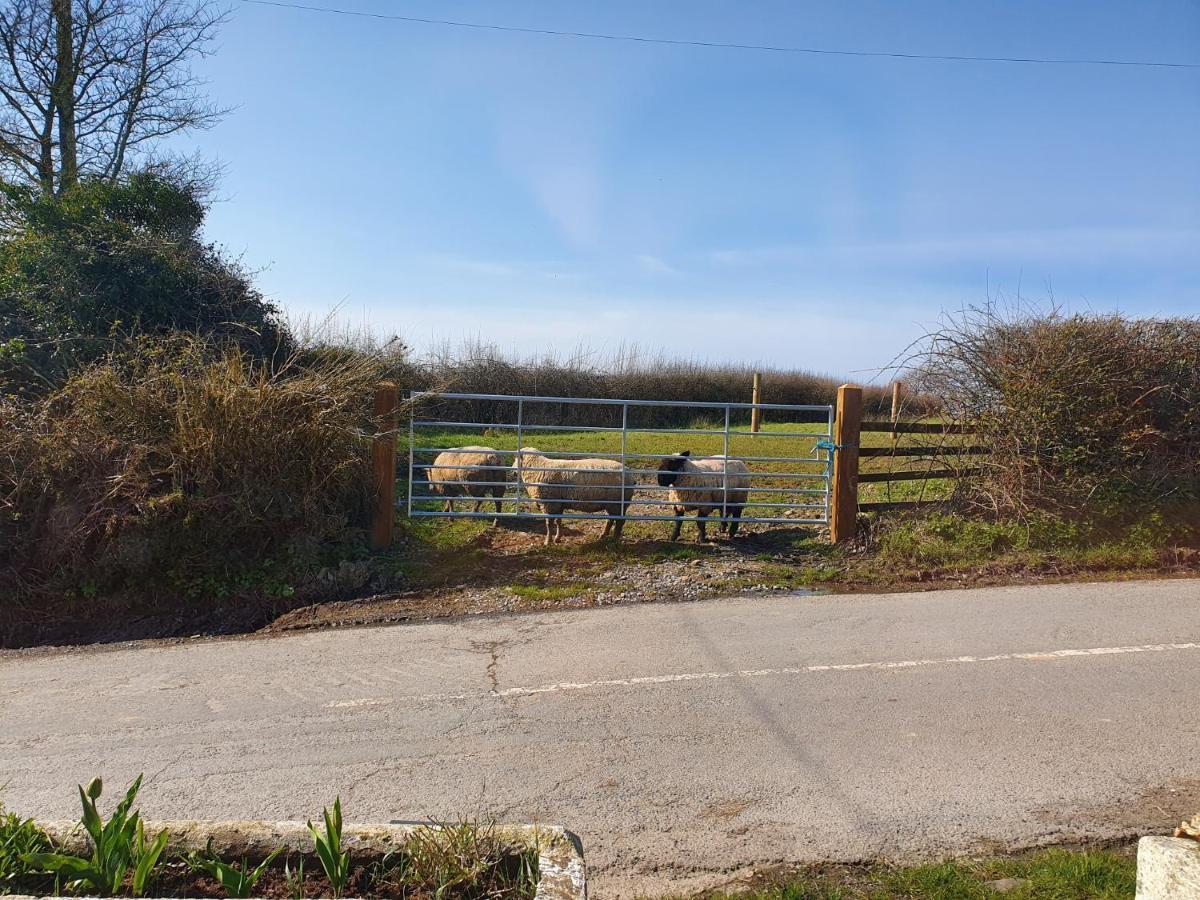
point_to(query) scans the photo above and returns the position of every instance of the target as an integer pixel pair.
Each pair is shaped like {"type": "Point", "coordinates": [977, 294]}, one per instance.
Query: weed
{"type": "Point", "coordinates": [944, 881]}
{"type": "Point", "coordinates": [547, 593]}
{"type": "Point", "coordinates": [294, 879]}
{"type": "Point", "coordinates": [1065, 875]}
{"type": "Point", "coordinates": [20, 839]}
{"type": "Point", "coordinates": [465, 858]}
{"type": "Point", "coordinates": [334, 860]}
{"type": "Point", "coordinates": [237, 881]}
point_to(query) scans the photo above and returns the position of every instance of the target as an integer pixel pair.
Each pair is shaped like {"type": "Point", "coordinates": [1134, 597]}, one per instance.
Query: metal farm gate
{"type": "Point", "coordinates": [790, 459]}
{"type": "Point", "coordinates": [790, 463]}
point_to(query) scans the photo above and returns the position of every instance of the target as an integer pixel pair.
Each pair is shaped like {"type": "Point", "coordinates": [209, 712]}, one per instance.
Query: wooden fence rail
{"type": "Point", "coordinates": [917, 427]}
{"type": "Point", "coordinates": [849, 426]}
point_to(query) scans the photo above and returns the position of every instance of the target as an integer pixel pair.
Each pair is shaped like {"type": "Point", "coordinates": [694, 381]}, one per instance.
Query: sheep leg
{"type": "Point", "coordinates": [701, 516]}
{"type": "Point", "coordinates": [555, 523]}
{"type": "Point", "coordinates": [678, 511]}
{"type": "Point", "coordinates": [496, 521]}
{"type": "Point", "coordinates": [478, 505]}
{"type": "Point", "coordinates": [618, 527]}
{"type": "Point", "coordinates": [736, 513]}
{"type": "Point", "coordinates": [448, 506]}
{"type": "Point", "coordinates": [546, 542]}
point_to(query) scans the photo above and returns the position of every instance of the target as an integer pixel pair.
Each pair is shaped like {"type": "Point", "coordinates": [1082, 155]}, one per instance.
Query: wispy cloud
{"type": "Point", "coordinates": [515, 270]}
{"type": "Point", "coordinates": [569, 195]}
{"type": "Point", "coordinates": [655, 265]}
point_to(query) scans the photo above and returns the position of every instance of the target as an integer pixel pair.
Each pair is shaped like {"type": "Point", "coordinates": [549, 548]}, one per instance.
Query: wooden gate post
{"type": "Point", "coordinates": [383, 464]}
{"type": "Point", "coordinates": [756, 397]}
{"type": "Point", "coordinates": [897, 389]}
{"type": "Point", "coordinates": [843, 508]}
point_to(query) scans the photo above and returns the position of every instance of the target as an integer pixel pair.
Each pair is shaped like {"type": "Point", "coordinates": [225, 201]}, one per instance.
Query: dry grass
{"type": "Point", "coordinates": [183, 469]}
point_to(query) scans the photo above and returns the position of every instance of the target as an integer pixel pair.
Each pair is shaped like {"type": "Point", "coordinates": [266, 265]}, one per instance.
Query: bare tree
{"type": "Point", "coordinates": [88, 86]}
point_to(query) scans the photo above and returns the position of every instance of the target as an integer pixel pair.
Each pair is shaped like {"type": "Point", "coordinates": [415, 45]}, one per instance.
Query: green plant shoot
{"type": "Point", "coordinates": [334, 860]}
{"type": "Point", "coordinates": [118, 845]}
{"type": "Point", "coordinates": [237, 881]}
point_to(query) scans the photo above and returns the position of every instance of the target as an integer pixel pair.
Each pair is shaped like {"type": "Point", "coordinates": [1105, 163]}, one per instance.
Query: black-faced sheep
{"type": "Point", "coordinates": [477, 472]}
{"type": "Point", "coordinates": [586, 485]}
{"type": "Point", "coordinates": [705, 485]}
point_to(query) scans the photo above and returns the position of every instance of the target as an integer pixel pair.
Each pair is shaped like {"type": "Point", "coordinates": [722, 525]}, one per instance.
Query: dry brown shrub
{"type": "Point", "coordinates": [1082, 412]}
{"type": "Point", "coordinates": [181, 468]}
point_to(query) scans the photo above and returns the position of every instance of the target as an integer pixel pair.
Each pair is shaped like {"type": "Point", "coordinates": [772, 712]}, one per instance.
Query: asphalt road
{"type": "Point", "coordinates": [677, 740]}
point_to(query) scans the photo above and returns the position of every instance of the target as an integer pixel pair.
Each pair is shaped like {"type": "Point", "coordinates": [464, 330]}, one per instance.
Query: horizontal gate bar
{"type": "Point", "coordinates": [479, 426]}
{"type": "Point", "coordinates": [574, 454]}
{"type": "Point", "coordinates": [950, 450]}
{"type": "Point", "coordinates": [772, 504]}
{"type": "Point", "coordinates": [598, 401]}
{"type": "Point", "coordinates": [421, 483]}
{"type": "Point", "coordinates": [601, 517]}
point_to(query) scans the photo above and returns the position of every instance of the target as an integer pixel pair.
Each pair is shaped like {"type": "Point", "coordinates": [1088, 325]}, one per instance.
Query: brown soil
{"type": "Point", "coordinates": [500, 881]}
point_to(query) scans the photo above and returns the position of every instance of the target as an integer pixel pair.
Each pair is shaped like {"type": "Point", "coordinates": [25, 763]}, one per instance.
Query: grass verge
{"type": "Point", "coordinates": [1046, 875]}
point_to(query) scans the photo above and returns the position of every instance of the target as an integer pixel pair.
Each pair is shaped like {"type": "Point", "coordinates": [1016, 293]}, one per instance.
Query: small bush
{"type": "Point", "coordinates": [184, 469]}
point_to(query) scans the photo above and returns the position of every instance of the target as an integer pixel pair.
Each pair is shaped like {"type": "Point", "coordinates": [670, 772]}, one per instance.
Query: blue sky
{"type": "Point", "coordinates": [806, 211]}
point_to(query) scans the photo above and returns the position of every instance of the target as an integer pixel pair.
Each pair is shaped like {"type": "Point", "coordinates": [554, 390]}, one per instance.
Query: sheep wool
{"type": "Point", "coordinates": [473, 471]}
{"type": "Point", "coordinates": [585, 485]}
{"type": "Point", "coordinates": [706, 485]}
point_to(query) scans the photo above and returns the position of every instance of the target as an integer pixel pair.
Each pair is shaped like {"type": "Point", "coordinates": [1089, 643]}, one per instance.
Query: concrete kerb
{"type": "Point", "coordinates": [1168, 868]}
{"type": "Point", "coordinates": [561, 873]}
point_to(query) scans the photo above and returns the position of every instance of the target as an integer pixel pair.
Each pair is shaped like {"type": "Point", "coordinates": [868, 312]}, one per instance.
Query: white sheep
{"type": "Point", "coordinates": [477, 472]}
{"type": "Point", "coordinates": [586, 485]}
{"type": "Point", "coordinates": [705, 485]}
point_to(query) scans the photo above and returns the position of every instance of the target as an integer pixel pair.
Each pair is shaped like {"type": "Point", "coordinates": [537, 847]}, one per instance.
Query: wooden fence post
{"type": "Point", "coordinates": [756, 397]}
{"type": "Point", "coordinates": [383, 464]}
{"type": "Point", "coordinates": [843, 512]}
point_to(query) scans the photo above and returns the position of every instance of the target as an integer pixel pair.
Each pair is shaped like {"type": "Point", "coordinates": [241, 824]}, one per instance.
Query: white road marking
{"type": "Point", "coordinates": [641, 680]}
{"type": "Point", "coordinates": [362, 701]}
